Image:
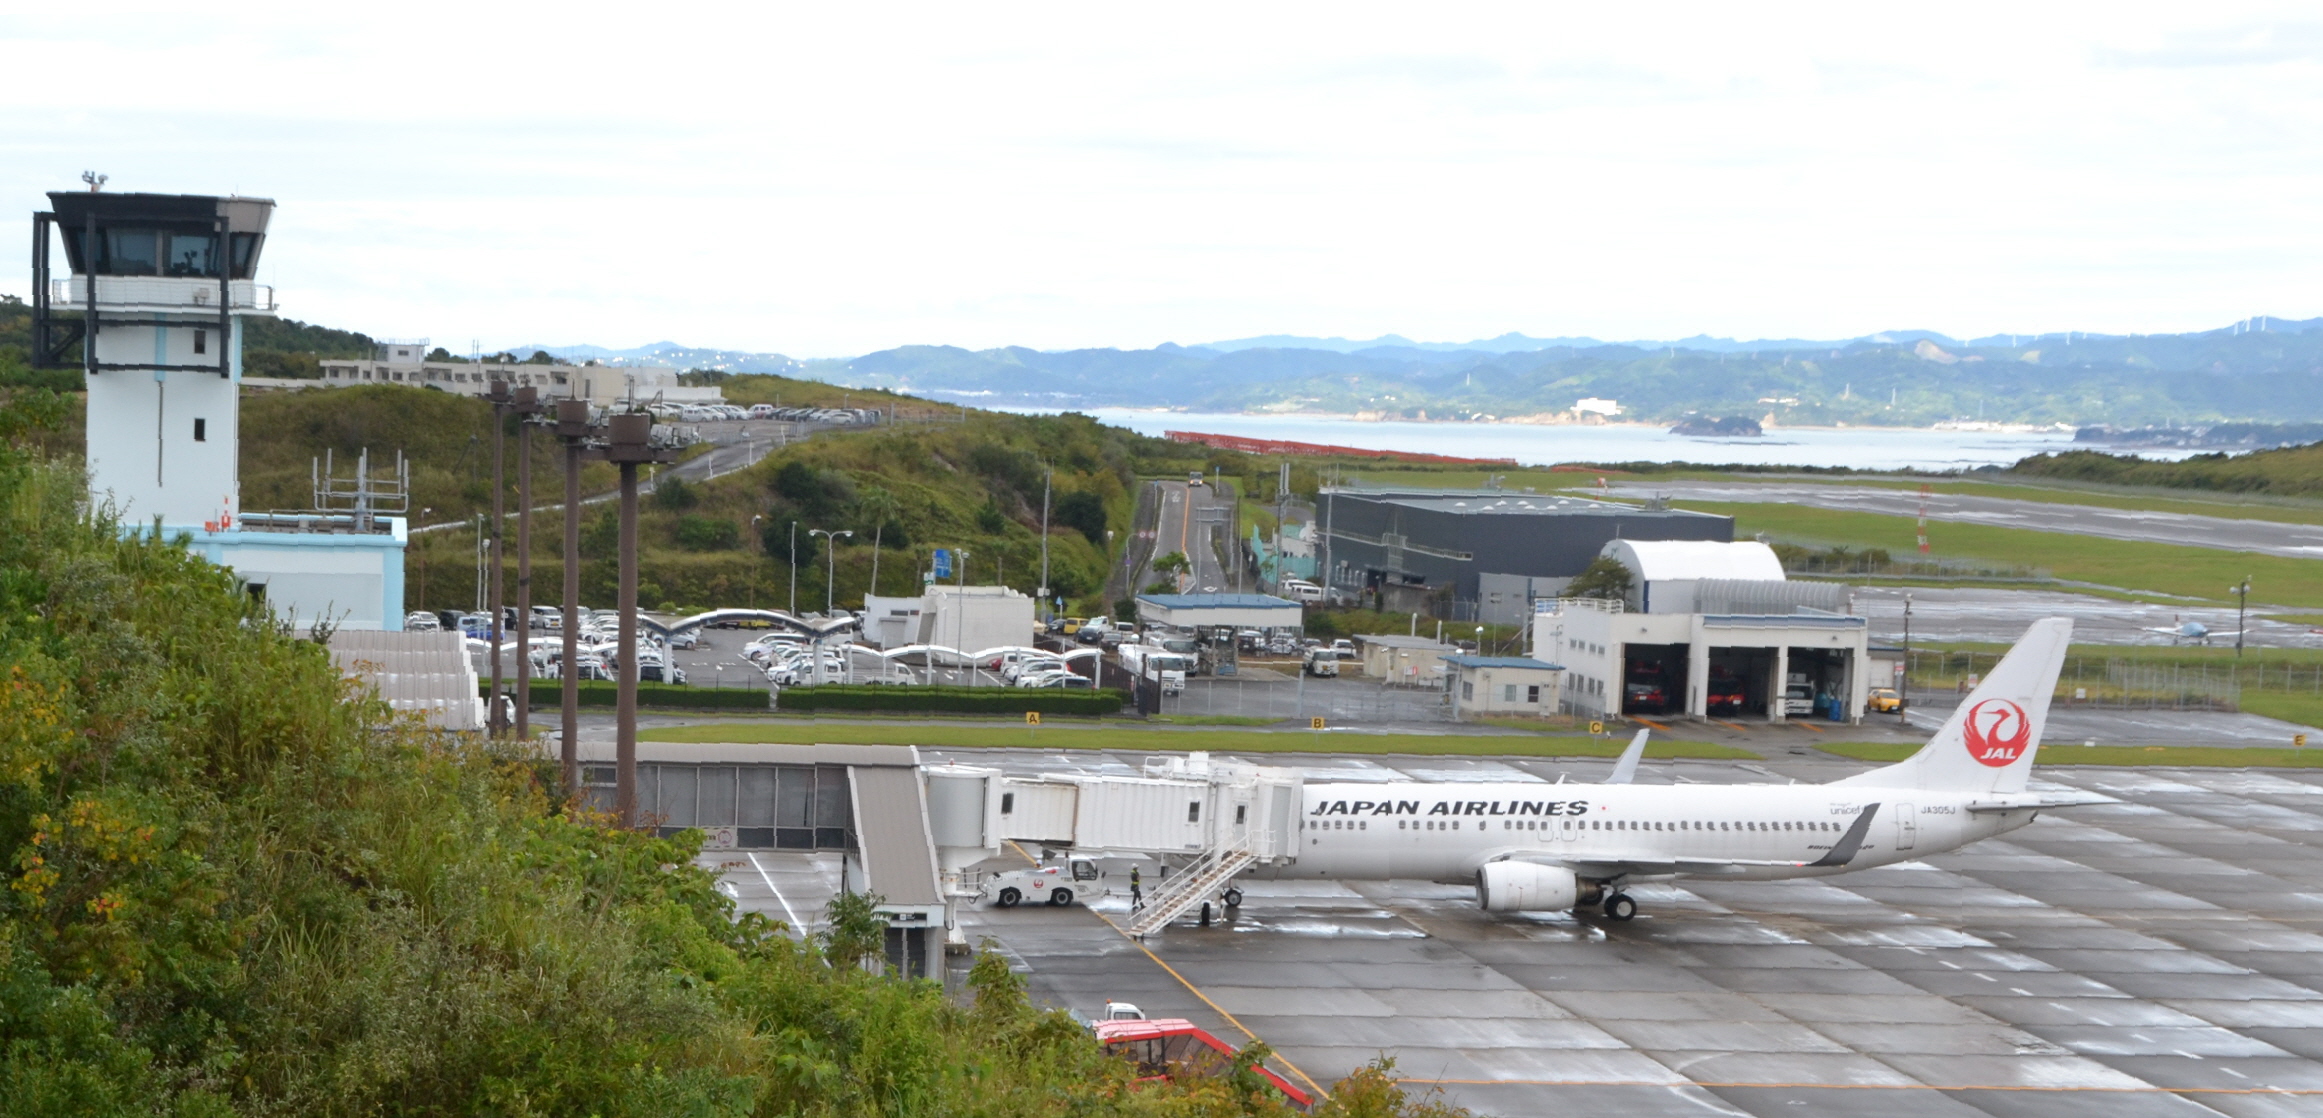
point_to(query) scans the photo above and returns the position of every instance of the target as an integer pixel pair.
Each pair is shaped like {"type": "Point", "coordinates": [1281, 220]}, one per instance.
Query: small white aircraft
{"type": "Point", "coordinates": [2190, 632]}
{"type": "Point", "coordinates": [1554, 847]}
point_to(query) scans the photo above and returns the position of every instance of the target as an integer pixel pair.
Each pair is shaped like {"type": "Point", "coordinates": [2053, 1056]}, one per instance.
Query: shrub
{"type": "Point", "coordinates": [955, 700]}
{"type": "Point", "coordinates": [707, 533]}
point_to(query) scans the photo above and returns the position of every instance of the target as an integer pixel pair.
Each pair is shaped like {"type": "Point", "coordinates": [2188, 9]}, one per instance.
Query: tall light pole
{"type": "Point", "coordinates": [830, 573]}
{"type": "Point", "coordinates": [630, 443]}
{"type": "Point", "coordinates": [573, 430]}
{"type": "Point", "coordinates": [2241, 591]}
{"type": "Point", "coordinates": [423, 563]}
{"type": "Point", "coordinates": [528, 406]}
{"type": "Point", "coordinates": [757, 558]}
{"type": "Point", "coordinates": [501, 400]}
{"type": "Point", "coordinates": [794, 566]}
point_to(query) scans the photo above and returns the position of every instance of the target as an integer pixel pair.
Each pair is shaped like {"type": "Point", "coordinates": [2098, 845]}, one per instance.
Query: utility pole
{"type": "Point", "coordinates": [630, 443]}
{"type": "Point", "coordinates": [1041, 607]}
{"type": "Point", "coordinates": [757, 557]}
{"type": "Point", "coordinates": [573, 428]}
{"type": "Point", "coordinates": [499, 398]}
{"type": "Point", "coordinates": [1904, 680]}
{"type": "Point", "coordinates": [794, 566]}
{"type": "Point", "coordinates": [2241, 612]}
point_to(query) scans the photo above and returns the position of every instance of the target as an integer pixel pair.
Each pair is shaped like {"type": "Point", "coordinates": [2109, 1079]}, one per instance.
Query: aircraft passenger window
{"type": "Point", "coordinates": [1455, 824]}
{"type": "Point", "coordinates": [1363, 825]}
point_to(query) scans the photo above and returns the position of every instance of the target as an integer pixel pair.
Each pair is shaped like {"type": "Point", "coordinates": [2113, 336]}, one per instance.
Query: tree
{"type": "Point", "coordinates": [879, 506]}
{"type": "Point", "coordinates": [1083, 512]}
{"type": "Point", "coordinates": [1605, 578]}
{"type": "Point", "coordinates": [857, 931]}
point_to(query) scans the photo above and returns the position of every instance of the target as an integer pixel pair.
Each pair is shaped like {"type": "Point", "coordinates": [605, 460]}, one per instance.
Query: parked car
{"type": "Point", "coordinates": [1884, 700]}
{"type": "Point", "coordinates": [685, 638]}
{"type": "Point", "coordinates": [1643, 695]}
{"type": "Point", "coordinates": [421, 621]}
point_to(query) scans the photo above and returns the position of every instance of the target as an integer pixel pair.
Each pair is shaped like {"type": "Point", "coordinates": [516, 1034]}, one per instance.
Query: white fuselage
{"type": "Point", "coordinates": [1443, 832]}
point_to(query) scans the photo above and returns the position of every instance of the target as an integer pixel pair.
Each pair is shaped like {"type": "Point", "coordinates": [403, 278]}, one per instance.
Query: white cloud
{"type": "Point", "coordinates": [829, 181]}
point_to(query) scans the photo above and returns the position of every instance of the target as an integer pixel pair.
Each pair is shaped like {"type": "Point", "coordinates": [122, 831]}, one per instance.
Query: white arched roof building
{"type": "Point", "coordinates": [1694, 560]}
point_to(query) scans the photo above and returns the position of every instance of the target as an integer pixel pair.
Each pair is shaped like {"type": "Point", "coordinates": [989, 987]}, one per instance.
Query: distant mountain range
{"type": "Point", "coordinates": [2241, 372]}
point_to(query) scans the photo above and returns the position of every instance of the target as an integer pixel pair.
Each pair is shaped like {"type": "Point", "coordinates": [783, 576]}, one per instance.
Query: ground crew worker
{"type": "Point", "coordinates": [1136, 891]}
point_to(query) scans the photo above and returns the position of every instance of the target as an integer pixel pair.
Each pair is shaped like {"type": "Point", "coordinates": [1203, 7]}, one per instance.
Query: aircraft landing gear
{"type": "Point", "coordinates": [1233, 898]}
{"type": "Point", "coordinates": [1620, 907]}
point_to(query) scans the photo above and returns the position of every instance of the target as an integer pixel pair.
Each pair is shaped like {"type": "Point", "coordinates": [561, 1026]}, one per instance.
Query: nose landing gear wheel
{"type": "Point", "coordinates": [1009, 897]}
{"type": "Point", "coordinates": [1061, 897]}
{"type": "Point", "coordinates": [1620, 907]}
{"type": "Point", "coordinates": [1233, 898]}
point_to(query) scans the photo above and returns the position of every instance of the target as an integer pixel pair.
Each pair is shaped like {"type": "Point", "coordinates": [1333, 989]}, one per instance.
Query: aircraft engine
{"type": "Point", "coordinates": [1526, 887]}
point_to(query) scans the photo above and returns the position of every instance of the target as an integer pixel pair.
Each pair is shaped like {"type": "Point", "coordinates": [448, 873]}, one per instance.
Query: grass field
{"type": "Point", "coordinates": [2195, 572]}
{"type": "Point", "coordinates": [2114, 755]}
{"type": "Point", "coordinates": [1223, 741]}
{"type": "Point", "coordinates": [2239, 506]}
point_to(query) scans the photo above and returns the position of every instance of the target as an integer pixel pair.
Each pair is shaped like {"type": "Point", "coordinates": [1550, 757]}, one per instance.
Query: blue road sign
{"type": "Point", "coordinates": [943, 562]}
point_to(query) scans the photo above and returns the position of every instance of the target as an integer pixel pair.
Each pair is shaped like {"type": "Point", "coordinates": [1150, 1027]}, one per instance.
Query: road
{"type": "Point", "coordinates": [1195, 521]}
{"type": "Point", "coordinates": [2297, 541]}
{"type": "Point", "coordinates": [1970, 613]}
{"type": "Point", "coordinates": [733, 446]}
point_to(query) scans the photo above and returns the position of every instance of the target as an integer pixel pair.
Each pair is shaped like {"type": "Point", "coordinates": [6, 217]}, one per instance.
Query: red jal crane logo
{"type": "Point", "coordinates": [1998, 732]}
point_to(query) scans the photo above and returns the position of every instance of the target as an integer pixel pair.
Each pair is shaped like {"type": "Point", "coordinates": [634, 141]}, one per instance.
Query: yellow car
{"type": "Point", "coordinates": [1072, 626]}
{"type": "Point", "coordinates": [1884, 700]}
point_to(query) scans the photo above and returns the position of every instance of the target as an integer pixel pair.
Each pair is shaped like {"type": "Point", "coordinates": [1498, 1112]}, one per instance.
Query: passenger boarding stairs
{"type": "Point", "coordinates": [1206, 877]}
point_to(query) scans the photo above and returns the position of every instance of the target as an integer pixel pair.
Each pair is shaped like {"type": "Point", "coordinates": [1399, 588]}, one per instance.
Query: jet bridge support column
{"type": "Point", "coordinates": [1697, 672]}
{"type": "Point", "coordinates": [1778, 687]}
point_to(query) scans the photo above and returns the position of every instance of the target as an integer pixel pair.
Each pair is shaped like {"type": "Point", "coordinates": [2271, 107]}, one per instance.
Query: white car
{"type": "Point", "coordinates": [1030, 665]}
{"type": "Point", "coordinates": [685, 638]}
{"type": "Point", "coordinates": [421, 621]}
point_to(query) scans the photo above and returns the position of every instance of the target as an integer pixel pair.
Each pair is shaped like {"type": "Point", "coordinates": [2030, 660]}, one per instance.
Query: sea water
{"type": "Point", "coordinates": [1863, 448]}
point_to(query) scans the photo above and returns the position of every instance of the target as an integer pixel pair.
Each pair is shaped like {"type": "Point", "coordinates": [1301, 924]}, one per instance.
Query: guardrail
{"type": "Point", "coordinates": [192, 294]}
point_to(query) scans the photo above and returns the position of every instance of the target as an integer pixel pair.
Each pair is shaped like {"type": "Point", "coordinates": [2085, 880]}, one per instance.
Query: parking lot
{"type": "Point", "coordinates": [2161, 957]}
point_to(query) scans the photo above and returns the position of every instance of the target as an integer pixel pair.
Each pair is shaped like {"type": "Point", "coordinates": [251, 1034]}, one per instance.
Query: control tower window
{"type": "Point", "coordinates": [190, 254]}
{"type": "Point", "coordinates": [245, 247]}
{"type": "Point", "coordinates": [133, 252]}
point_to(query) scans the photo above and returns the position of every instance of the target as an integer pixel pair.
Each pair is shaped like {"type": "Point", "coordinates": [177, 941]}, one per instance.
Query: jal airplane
{"type": "Point", "coordinates": [1555, 847]}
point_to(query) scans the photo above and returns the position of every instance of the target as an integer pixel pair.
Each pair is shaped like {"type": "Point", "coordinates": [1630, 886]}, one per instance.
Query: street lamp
{"type": "Point", "coordinates": [2241, 592]}
{"type": "Point", "coordinates": [830, 574]}
{"type": "Point", "coordinates": [423, 562]}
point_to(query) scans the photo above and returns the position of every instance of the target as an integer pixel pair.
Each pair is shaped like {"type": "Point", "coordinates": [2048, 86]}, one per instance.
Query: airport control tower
{"type": "Point", "coordinates": [152, 313]}
{"type": "Point", "coordinates": [161, 283]}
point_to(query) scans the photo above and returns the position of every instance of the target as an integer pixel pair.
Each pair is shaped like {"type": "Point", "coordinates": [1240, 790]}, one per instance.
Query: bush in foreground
{"type": "Point", "coordinates": [234, 887]}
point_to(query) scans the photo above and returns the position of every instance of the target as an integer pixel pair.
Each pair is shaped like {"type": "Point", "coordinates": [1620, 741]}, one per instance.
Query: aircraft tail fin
{"type": "Point", "coordinates": [1625, 768]}
{"type": "Point", "coordinates": [1989, 743]}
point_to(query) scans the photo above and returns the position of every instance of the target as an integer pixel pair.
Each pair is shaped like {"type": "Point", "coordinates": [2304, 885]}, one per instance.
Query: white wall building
{"type": "Point", "coordinates": [601, 385]}
{"type": "Point", "coordinates": [1710, 630]}
{"type": "Point", "coordinates": [974, 618]}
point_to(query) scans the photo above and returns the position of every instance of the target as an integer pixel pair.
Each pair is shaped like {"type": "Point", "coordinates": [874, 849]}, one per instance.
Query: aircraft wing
{"type": "Point", "coordinates": [2035, 801]}
{"type": "Point", "coordinates": [1625, 769]}
{"type": "Point", "coordinates": [1607, 867]}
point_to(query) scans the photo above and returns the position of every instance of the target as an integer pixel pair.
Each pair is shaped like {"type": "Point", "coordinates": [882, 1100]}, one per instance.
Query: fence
{"type": "Point", "coordinates": [1350, 703]}
{"type": "Point", "coordinates": [2122, 683]}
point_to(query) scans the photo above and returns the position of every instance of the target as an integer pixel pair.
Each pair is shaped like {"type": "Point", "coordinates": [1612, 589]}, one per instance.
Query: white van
{"type": "Point", "coordinates": [1300, 590]}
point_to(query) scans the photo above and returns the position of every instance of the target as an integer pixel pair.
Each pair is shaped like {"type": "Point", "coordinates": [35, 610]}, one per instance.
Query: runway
{"type": "Point", "coordinates": [2297, 541]}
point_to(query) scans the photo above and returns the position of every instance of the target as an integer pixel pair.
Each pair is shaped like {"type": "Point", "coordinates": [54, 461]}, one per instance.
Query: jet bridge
{"type": "Point", "coordinates": [1207, 820]}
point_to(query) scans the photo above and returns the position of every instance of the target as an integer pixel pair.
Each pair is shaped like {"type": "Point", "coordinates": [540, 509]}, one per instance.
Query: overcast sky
{"type": "Point", "coordinates": [828, 179]}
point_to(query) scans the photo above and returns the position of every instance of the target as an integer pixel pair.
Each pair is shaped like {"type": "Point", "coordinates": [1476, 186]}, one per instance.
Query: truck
{"type": "Point", "coordinates": [1164, 668]}
{"type": "Point", "coordinates": [1055, 885]}
{"type": "Point", "coordinates": [1798, 698]}
{"type": "Point", "coordinates": [1321, 662]}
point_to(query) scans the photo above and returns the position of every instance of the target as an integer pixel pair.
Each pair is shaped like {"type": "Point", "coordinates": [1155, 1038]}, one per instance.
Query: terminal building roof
{"type": "Point", "coordinates": [1502, 502]}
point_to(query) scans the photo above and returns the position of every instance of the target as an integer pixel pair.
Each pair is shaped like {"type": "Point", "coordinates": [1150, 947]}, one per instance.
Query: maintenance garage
{"type": "Point", "coordinates": [1480, 554]}
{"type": "Point", "coordinates": [1708, 630]}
